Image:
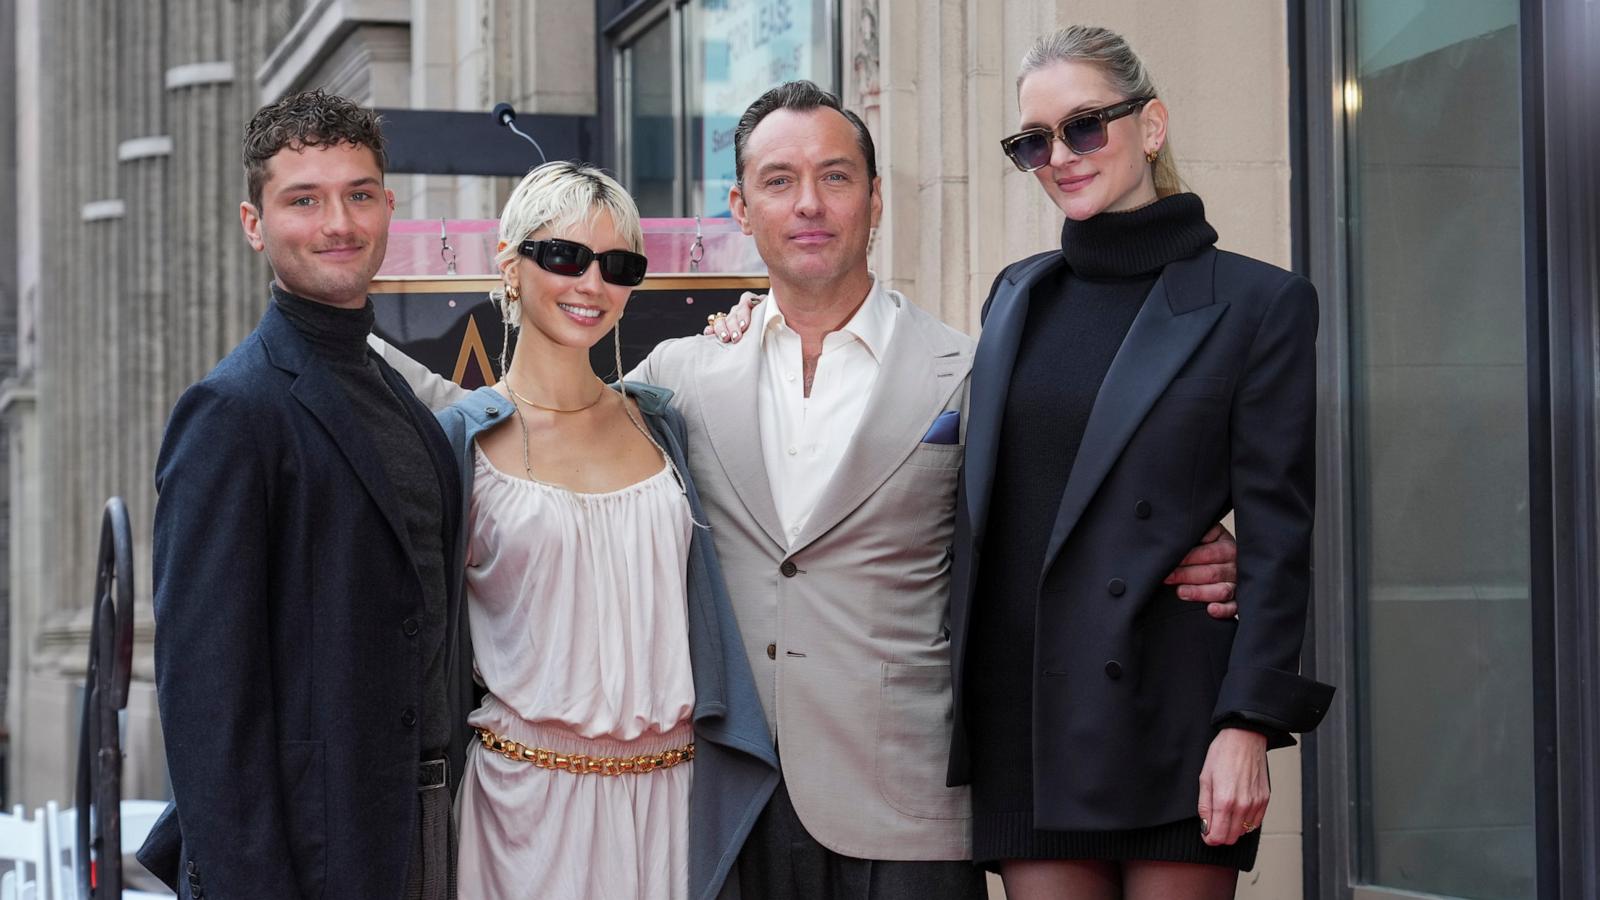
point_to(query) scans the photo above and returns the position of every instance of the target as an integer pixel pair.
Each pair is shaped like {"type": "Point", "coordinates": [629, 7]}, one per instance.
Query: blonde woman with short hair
{"type": "Point", "coordinates": [621, 749]}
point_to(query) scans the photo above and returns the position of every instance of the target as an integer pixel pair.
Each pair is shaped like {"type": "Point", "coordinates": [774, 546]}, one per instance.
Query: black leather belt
{"type": "Point", "coordinates": [433, 773]}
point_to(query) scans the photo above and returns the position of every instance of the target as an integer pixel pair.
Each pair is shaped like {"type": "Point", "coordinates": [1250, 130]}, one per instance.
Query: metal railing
{"type": "Point", "coordinates": [99, 857]}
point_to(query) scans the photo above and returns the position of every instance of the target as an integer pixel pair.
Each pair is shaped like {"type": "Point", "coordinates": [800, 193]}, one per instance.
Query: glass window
{"type": "Point", "coordinates": [739, 50]}
{"type": "Point", "coordinates": [649, 139]}
{"type": "Point", "coordinates": [732, 50]}
{"type": "Point", "coordinates": [1440, 448]}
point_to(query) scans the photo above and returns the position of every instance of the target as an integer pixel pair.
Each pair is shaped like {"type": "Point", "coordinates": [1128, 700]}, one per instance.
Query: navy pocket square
{"type": "Point", "coordinates": [945, 430]}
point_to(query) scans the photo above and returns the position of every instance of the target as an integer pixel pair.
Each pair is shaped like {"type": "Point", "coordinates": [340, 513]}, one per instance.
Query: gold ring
{"type": "Point", "coordinates": [715, 317]}
{"type": "Point", "coordinates": [1249, 828]}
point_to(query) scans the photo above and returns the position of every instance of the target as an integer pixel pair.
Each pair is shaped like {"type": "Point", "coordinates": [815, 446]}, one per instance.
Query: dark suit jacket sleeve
{"type": "Point", "coordinates": [213, 678]}
{"type": "Point", "coordinates": [1273, 432]}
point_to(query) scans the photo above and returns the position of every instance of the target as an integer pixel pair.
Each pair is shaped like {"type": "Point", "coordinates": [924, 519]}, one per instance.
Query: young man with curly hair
{"type": "Point", "coordinates": [309, 647]}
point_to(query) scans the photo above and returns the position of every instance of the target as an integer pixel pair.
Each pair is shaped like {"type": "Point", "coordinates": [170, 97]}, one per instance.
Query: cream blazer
{"type": "Point", "coordinates": [847, 628]}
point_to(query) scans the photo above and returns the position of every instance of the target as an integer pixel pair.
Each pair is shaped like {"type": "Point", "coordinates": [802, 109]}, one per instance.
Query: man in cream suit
{"type": "Point", "coordinates": [825, 447]}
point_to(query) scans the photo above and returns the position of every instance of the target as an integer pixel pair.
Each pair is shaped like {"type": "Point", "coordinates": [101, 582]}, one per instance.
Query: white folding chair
{"type": "Point", "coordinates": [138, 818]}
{"type": "Point", "coordinates": [23, 856]}
{"type": "Point", "coordinates": [61, 849]}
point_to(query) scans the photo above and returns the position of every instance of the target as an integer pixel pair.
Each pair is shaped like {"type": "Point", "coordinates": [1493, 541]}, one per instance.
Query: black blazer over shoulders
{"type": "Point", "coordinates": [288, 666]}
{"type": "Point", "coordinates": [1209, 405]}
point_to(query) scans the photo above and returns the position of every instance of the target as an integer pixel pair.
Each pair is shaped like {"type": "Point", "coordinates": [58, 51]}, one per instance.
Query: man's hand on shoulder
{"type": "Point", "coordinates": [1209, 573]}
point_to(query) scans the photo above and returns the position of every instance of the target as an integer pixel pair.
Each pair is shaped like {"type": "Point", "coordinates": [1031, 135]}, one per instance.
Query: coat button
{"type": "Point", "coordinates": [788, 568]}
{"type": "Point", "coordinates": [1142, 509]}
{"type": "Point", "coordinates": [1117, 587]}
{"type": "Point", "coordinates": [491, 411]}
{"type": "Point", "coordinates": [1113, 670]}
{"type": "Point", "coordinates": [772, 651]}
{"type": "Point", "coordinates": [408, 718]}
{"type": "Point", "coordinates": [193, 868]}
{"type": "Point", "coordinates": [411, 627]}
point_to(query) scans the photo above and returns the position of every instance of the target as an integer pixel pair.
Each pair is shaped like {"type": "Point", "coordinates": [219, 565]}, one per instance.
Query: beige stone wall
{"type": "Point", "coordinates": [942, 93]}
{"type": "Point", "coordinates": [470, 55]}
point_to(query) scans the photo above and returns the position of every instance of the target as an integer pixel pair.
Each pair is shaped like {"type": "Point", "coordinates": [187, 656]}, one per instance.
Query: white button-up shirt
{"type": "Point", "coordinates": [803, 439]}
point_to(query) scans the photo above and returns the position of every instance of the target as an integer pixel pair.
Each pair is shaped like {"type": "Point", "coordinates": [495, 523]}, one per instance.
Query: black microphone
{"type": "Point", "coordinates": [505, 115]}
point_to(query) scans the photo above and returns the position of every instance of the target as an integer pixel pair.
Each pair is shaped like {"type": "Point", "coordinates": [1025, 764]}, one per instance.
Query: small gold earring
{"type": "Point", "coordinates": [1151, 156]}
{"type": "Point", "coordinates": [512, 293]}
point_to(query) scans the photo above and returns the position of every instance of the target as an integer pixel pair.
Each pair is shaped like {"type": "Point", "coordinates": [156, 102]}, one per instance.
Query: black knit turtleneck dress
{"type": "Point", "coordinates": [1077, 320]}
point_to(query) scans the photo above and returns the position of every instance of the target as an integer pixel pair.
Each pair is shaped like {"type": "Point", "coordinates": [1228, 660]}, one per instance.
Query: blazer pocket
{"type": "Point", "coordinates": [914, 722]}
{"type": "Point", "coordinates": [1200, 386]}
{"type": "Point", "coordinates": [937, 456]}
{"type": "Point", "coordinates": [305, 807]}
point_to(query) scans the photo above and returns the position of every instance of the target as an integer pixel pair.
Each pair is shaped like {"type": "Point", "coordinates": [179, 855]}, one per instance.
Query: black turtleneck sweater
{"type": "Point", "coordinates": [1077, 319]}
{"type": "Point", "coordinates": [339, 339]}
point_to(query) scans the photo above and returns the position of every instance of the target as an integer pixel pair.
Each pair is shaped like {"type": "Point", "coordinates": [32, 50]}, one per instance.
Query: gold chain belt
{"type": "Point", "coordinates": [579, 764]}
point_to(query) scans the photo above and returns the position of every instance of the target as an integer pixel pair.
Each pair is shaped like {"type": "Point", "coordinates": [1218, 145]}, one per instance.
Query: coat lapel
{"type": "Point", "coordinates": [1175, 318]}
{"type": "Point", "coordinates": [728, 388]}
{"type": "Point", "coordinates": [920, 370]}
{"type": "Point", "coordinates": [991, 379]}
{"type": "Point", "coordinates": [316, 389]}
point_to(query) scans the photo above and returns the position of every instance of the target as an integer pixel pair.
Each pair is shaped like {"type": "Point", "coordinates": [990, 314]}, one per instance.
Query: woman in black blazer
{"type": "Point", "coordinates": [1128, 390]}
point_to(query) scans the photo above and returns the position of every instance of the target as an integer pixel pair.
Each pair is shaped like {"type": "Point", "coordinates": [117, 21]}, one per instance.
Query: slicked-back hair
{"type": "Point", "coordinates": [1128, 75]}
{"type": "Point", "coordinates": [801, 96]}
{"type": "Point", "coordinates": [306, 119]}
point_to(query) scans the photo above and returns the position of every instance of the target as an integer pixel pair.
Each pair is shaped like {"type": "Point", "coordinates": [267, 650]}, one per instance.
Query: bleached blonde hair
{"type": "Point", "coordinates": [558, 195]}
{"type": "Point", "coordinates": [1127, 73]}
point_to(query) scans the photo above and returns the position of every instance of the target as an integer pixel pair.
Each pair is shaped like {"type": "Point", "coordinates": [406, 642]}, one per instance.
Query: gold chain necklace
{"type": "Point", "coordinates": [597, 398]}
{"type": "Point", "coordinates": [627, 408]}
{"type": "Point", "coordinates": [522, 421]}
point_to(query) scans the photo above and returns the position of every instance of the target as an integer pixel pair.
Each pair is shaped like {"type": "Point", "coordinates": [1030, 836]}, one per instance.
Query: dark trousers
{"type": "Point", "coordinates": [782, 861]}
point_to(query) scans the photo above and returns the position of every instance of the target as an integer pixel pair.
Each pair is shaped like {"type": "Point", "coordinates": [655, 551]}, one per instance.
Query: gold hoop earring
{"type": "Point", "coordinates": [510, 309]}
{"type": "Point", "coordinates": [1151, 156]}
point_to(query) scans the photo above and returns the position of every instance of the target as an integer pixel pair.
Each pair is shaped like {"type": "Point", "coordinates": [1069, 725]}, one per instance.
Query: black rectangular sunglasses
{"type": "Point", "coordinates": [1083, 133]}
{"type": "Point", "coordinates": [570, 258]}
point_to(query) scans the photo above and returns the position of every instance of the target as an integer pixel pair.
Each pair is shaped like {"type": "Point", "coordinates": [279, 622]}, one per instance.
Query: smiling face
{"type": "Point", "coordinates": [570, 311]}
{"type": "Point", "coordinates": [1115, 178]}
{"type": "Point", "coordinates": [807, 200]}
{"type": "Point", "coordinates": [323, 221]}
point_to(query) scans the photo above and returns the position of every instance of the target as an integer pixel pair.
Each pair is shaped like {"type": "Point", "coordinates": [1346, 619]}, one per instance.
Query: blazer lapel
{"type": "Point", "coordinates": [920, 370]}
{"type": "Point", "coordinates": [317, 391]}
{"type": "Point", "coordinates": [991, 380]}
{"type": "Point", "coordinates": [728, 388]}
{"type": "Point", "coordinates": [1174, 320]}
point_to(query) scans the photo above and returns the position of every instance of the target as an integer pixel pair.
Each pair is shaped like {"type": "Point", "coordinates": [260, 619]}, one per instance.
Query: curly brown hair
{"type": "Point", "coordinates": [306, 119]}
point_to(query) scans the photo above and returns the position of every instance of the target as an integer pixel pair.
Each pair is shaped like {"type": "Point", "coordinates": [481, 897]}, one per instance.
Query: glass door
{"type": "Point", "coordinates": [1442, 751]}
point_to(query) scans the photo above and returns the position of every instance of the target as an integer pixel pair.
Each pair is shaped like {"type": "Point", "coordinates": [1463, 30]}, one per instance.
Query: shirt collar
{"type": "Point", "coordinates": [872, 323]}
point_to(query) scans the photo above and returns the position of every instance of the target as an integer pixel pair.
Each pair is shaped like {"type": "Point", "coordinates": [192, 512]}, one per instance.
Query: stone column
{"type": "Point", "coordinates": [8, 312]}
{"type": "Point", "coordinates": [433, 86]}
